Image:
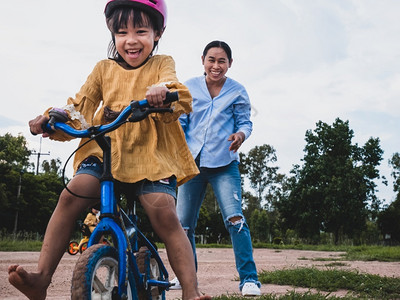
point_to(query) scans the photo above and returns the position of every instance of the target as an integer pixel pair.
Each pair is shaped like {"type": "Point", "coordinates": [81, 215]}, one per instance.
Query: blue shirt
{"type": "Point", "coordinates": [208, 127]}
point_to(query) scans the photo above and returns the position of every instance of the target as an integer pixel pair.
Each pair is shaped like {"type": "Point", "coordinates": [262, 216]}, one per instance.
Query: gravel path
{"type": "Point", "coordinates": [216, 273]}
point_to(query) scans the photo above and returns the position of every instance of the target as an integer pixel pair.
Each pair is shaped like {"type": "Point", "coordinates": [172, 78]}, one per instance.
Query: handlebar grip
{"type": "Point", "coordinates": [55, 115]}
{"type": "Point", "coordinates": [171, 97]}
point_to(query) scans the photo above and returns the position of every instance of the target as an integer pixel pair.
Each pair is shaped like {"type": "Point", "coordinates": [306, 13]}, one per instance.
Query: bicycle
{"type": "Point", "coordinates": [120, 270]}
{"type": "Point", "coordinates": [74, 247]}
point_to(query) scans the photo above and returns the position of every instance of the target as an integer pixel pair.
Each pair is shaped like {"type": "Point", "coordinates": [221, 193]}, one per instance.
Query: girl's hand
{"type": "Point", "coordinates": [35, 125]}
{"type": "Point", "coordinates": [156, 95]}
{"type": "Point", "coordinates": [237, 140]}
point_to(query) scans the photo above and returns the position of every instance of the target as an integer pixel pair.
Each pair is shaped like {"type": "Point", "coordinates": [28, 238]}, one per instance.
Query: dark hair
{"type": "Point", "coordinates": [218, 44]}
{"type": "Point", "coordinates": [120, 17]}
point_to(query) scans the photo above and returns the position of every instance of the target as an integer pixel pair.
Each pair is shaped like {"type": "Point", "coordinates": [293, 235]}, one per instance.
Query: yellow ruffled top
{"type": "Point", "coordinates": [154, 148]}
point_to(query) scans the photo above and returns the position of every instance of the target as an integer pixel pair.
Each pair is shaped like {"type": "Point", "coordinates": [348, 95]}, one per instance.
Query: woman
{"type": "Point", "coordinates": [214, 130]}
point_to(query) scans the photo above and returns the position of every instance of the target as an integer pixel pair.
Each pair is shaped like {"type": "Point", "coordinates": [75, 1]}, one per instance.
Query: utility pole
{"type": "Point", "coordinates": [17, 205]}
{"type": "Point", "coordinates": [38, 156]}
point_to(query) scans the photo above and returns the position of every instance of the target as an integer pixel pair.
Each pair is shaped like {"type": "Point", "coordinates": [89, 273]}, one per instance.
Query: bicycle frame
{"type": "Point", "coordinates": [113, 220]}
{"type": "Point", "coordinates": [109, 213]}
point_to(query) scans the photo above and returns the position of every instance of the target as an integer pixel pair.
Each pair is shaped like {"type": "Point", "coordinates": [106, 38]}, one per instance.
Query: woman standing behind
{"type": "Point", "coordinates": [214, 130]}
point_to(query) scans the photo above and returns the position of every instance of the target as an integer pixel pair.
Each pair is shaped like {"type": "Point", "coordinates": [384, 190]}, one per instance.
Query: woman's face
{"type": "Point", "coordinates": [216, 64]}
{"type": "Point", "coordinates": [135, 44]}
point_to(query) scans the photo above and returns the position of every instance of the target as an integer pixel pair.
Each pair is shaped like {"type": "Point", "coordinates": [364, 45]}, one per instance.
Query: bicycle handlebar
{"type": "Point", "coordinates": [136, 111]}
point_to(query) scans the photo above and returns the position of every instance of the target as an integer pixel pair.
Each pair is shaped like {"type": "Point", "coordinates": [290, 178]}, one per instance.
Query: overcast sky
{"type": "Point", "coordinates": [301, 61]}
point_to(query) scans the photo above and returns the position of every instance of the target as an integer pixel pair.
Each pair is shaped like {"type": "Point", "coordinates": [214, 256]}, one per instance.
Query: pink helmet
{"type": "Point", "coordinates": [156, 6]}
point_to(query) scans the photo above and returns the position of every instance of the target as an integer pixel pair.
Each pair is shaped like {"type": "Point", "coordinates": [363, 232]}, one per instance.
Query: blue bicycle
{"type": "Point", "coordinates": [121, 270]}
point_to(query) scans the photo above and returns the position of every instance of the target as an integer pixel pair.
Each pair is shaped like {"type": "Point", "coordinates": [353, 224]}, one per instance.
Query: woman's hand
{"type": "Point", "coordinates": [155, 95]}
{"type": "Point", "coordinates": [35, 125]}
{"type": "Point", "coordinates": [237, 140]}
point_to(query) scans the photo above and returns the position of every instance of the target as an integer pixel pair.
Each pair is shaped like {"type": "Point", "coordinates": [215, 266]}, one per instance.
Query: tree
{"type": "Point", "coordinates": [38, 194]}
{"type": "Point", "coordinates": [14, 159]}
{"type": "Point", "coordinates": [395, 163]}
{"type": "Point", "coordinates": [334, 190]}
{"type": "Point", "coordinates": [251, 202]}
{"type": "Point", "coordinates": [54, 166]}
{"type": "Point", "coordinates": [259, 225]}
{"type": "Point", "coordinates": [14, 152]}
{"type": "Point", "coordinates": [256, 167]}
{"type": "Point", "coordinates": [388, 219]}
{"type": "Point", "coordinates": [210, 222]}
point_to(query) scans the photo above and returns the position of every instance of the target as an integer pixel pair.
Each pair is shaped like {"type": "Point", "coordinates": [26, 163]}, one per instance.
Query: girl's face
{"type": "Point", "coordinates": [216, 64]}
{"type": "Point", "coordinates": [135, 44]}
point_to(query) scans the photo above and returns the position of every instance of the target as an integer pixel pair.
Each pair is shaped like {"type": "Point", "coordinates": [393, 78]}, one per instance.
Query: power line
{"type": "Point", "coordinates": [38, 155]}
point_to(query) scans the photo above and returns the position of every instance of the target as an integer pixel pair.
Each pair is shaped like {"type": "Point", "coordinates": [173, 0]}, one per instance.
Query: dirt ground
{"type": "Point", "coordinates": [217, 274]}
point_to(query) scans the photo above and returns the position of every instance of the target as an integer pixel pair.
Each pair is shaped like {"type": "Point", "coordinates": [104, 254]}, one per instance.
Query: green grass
{"type": "Point", "coordinates": [324, 247]}
{"type": "Point", "coordinates": [8, 244]}
{"type": "Point", "coordinates": [289, 296]}
{"type": "Point", "coordinates": [330, 280]}
{"type": "Point", "coordinates": [370, 253]}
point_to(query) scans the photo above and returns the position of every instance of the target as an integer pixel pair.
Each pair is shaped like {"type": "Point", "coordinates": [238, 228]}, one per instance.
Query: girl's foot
{"type": "Point", "coordinates": [30, 284]}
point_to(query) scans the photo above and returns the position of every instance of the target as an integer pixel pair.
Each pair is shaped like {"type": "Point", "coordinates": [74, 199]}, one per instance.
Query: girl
{"type": "Point", "coordinates": [145, 154]}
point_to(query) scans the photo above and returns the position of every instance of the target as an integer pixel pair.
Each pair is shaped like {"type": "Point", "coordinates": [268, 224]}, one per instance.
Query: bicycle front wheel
{"type": "Point", "coordinates": [73, 248]}
{"type": "Point", "coordinates": [96, 275]}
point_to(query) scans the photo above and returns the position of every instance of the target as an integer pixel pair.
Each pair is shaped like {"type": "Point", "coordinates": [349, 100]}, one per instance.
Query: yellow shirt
{"type": "Point", "coordinates": [154, 148]}
{"type": "Point", "coordinates": [91, 221]}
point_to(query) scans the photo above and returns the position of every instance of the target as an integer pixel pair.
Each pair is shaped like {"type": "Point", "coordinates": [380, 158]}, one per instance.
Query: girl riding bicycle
{"type": "Point", "coordinates": [151, 155]}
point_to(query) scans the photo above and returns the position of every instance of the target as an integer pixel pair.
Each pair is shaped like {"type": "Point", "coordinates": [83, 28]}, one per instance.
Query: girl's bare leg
{"type": "Point", "coordinates": [34, 285]}
{"type": "Point", "coordinates": [161, 211]}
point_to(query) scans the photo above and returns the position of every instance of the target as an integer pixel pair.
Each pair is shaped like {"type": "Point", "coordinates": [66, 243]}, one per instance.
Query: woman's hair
{"type": "Point", "coordinates": [218, 44]}
{"type": "Point", "coordinates": [120, 18]}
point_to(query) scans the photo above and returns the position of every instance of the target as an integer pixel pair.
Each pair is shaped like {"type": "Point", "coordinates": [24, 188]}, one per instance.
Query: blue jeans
{"type": "Point", "coordinates": [226, 183]}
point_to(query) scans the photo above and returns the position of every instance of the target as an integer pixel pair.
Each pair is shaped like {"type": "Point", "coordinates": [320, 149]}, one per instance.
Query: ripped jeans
{"type": "Point", "coordinates": [226, 184]}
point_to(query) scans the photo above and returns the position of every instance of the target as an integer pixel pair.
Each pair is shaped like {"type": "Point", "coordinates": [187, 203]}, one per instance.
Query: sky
{"type": "Point", "coordinates": [301, 62]}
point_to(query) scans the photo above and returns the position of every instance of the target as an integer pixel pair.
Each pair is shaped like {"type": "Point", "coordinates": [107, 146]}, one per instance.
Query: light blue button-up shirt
{"type": "Point", "coordinates": [208, 127]}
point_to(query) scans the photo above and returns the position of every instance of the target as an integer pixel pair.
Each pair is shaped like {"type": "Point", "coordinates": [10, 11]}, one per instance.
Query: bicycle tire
{"type": "Point", "coordinates": [83, 247]}
{"type": "Point", "coordinates": [96, 274]}
{"type": "Point", "coordinates": [153, 272]}
{"type": "Point", "coordinates": [72, 248]}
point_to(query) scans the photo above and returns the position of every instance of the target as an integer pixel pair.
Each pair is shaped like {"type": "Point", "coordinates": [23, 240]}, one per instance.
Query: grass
{"type": "Point", "coordinates": [330, 280]}
{"type": "Point", "coordinates": [289, 296]}
{"type": "Point", "coordinates": [370, 253]}
{"type": "Point", "coordinates": [20, 245]}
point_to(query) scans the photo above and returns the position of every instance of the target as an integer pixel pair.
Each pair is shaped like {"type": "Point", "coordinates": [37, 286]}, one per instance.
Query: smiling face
{"type": "Point", "coordinates": [216, 63]}
{"type": "Point", "coordinates": [135, 44]}
{"type": "Point", "coordinates": [135, 34]}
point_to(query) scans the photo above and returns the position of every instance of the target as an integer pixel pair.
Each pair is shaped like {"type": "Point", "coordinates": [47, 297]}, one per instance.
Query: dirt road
{"type": "Point", "coordinates": [217, 274]}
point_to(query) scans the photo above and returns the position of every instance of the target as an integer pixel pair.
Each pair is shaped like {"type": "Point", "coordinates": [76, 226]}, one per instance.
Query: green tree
{"type": "Point", "coordinates": [251, 204]}
{"type": "Point", "coordinates": [334, 190]}
{"type": "Point", "coordinates": [14, 160]}
{"type": "Point", "coordinates": [14, 152]}
{"type": "Point", "coordinates": [394, 162]}
{"type": "Point", "coordinates": [210, 222]}
{"type": "Point", "coordinates": [256, 166]}
{"type": "Point", "coordinates": [388, 219]}
{"type": "Point", "coordinates": [38, 195]}
{"type": "Point", "coordinates": [259, 225]}
{"type": "Point", "coordinates": [53, 167]}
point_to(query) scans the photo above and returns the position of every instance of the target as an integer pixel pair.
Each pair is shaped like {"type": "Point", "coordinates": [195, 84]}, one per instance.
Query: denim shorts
{"type": "Point", "coordinates": [93, 166]}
